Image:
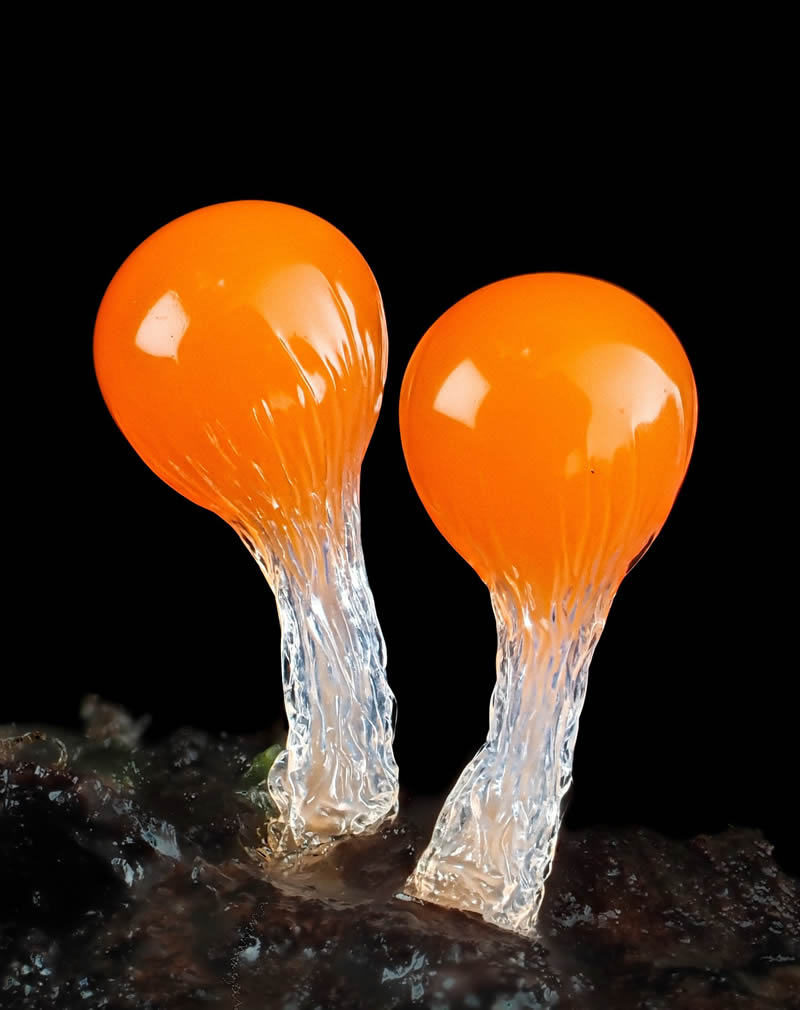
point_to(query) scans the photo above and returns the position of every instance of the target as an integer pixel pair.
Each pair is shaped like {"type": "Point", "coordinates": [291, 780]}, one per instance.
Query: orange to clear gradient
{"type": "Point", "coordinates": [242, 351]}
{"type": "Point", "coordinates": [547, 421]}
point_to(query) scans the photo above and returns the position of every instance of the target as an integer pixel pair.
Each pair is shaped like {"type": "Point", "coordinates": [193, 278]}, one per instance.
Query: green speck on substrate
{"type": "Point", "coordinates": [258, 769]}
{"type": "Point", "coordinates": [254, 780]}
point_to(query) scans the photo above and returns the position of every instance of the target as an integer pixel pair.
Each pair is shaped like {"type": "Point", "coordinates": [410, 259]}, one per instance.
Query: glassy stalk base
{"type": "Point", "coordinates": [494, 841]}
{"type": "Point", "coordinates": [337, 775]}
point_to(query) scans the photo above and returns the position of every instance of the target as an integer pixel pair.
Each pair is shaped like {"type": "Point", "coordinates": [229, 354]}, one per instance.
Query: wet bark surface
{"type": "Point", "coordinates": [130, 877]}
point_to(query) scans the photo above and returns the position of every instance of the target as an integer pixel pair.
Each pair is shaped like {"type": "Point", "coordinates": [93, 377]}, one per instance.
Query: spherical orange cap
{"type": "Point", "coordinates": [547, 421]}
{"type": "Point", "coordinates": [242, 351]}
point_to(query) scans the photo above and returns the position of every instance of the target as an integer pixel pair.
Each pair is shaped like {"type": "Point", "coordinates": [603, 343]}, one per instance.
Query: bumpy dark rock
{"type": "Point", "coordinates": [129, 878]}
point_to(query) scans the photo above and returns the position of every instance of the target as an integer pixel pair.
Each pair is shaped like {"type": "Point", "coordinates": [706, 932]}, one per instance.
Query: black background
{"type": "Point", "coordinates": [128, 590]}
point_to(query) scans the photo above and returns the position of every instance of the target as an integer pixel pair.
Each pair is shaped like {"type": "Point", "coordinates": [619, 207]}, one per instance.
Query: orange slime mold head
{"type": "Point", "coordinates": [242, 351]}
{"type": "Point", "coordinates": [547, 422]}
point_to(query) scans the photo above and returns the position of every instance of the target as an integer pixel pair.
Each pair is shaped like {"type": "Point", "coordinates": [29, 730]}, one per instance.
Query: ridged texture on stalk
{"type": "Point", "coordinates": [494, 841]}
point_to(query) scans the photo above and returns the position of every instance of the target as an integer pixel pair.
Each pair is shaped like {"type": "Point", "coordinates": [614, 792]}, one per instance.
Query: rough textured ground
{"type": "Point", "coordinates": [126, 882]}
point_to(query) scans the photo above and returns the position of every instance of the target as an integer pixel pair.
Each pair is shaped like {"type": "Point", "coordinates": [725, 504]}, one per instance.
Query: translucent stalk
{"type": "Point", "coordinates": [494, 841]}
{"type": "Point", "coordinates": [338, 774]}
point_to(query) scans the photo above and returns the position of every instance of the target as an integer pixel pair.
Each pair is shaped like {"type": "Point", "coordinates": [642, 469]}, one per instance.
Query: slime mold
{"type": "Point", "coordinates": [547, 421]}
{"type": "Point", "coordinates": [242, 351]}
